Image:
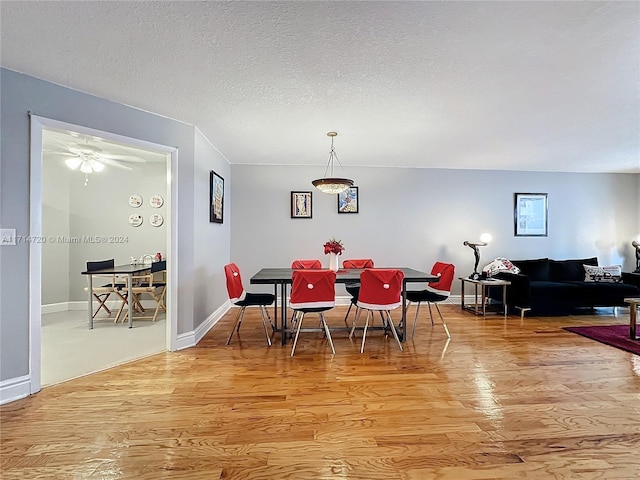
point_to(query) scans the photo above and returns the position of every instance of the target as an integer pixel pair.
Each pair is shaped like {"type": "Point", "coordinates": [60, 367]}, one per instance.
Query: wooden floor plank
{"type": "Point", "coordinates": [502, 399]}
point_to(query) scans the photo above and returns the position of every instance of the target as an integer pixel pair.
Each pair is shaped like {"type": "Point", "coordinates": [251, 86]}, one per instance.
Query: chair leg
{"type": "Point", "coordinates": [364, 333]}
{"type": "Point", "coordinates": [355, 322]}
{"type": "Point", "coordinates": [393, 330]}
{"type": "Point", "coordinates": [415, 321]}
{"type": "Point", "coordinates": [263, 310]}
{"type": "Point", "coordinates": [326, 329]}
{"type": "Point", "coordinates": [431, 314]}
{"type": "Point", "coordinates": [444, 324]}
{"type": "Point", "coordinates": [295, 340]}
{"type": "Point", "coordinates": [236, 324]}
{"type": "Point", "coordinates": [102, 303]}
{"type": "Point", "coordinates": [347, 315]}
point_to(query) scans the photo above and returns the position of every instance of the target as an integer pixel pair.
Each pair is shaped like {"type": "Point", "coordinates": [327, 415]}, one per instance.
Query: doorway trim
{"type": "Point", "coordinates": [37, 125]}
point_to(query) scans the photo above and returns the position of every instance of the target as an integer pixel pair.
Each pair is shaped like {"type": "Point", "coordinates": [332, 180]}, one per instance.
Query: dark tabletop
{"type": "Point", "coordinates": [283, 275]}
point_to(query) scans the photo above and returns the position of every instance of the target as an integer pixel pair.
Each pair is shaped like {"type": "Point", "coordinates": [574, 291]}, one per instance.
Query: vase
{"type": "Point", "coordinates": [333, 261]}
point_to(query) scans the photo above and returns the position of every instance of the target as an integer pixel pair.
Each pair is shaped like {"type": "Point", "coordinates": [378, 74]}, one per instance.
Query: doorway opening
{"type": "Point", "coordinates": [84, 215]}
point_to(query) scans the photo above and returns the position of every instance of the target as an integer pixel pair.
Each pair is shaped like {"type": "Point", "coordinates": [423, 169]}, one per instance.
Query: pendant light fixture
{"type": "Point", "coordinates": [329, 183]}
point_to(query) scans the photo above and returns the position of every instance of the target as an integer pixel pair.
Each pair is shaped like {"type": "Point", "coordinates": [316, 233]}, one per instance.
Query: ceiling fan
{"type": "Point", "coordinates": [89, 157]}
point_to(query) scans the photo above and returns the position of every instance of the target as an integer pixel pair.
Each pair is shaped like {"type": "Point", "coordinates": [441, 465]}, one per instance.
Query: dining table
{"type": "Point", "coordinates": [281, 277]}
{"type": "Point", "coordinates": [129, 270]}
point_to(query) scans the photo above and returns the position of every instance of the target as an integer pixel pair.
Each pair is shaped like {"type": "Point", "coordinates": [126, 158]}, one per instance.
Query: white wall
{"type": "Point", "coordinates": [55, 221]}
{"type": "Point", "coordinates": [413, 217]}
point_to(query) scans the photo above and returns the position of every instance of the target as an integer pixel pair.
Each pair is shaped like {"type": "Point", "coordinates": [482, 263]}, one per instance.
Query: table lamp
{"type": "Point", "coordinates": [485, 238]}
{"type": "Point", "coordinates": [636, 244]}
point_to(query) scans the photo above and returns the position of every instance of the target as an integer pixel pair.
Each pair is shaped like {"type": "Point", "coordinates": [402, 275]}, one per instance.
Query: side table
{"type": "Point", "coordinates": [482, 286]}
{"type": "Point", "coordinates": [632, 278]}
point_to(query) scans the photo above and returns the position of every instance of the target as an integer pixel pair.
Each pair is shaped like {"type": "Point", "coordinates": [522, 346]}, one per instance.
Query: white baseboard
{"type": "Point", "coordinates": [191, 339]}
{"type": "Point", "coordinates": [15, 389]}
{"type": "Point", "coordinates": [82, 305]}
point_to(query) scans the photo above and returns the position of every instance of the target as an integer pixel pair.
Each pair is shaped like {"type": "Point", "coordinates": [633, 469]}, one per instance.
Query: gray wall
{"type": "Point", "coordinates": [413, 217]}
{"type": "Point", "coordinates": [211, 240]}
{"type": "Point", "coordinates": [20, 94]}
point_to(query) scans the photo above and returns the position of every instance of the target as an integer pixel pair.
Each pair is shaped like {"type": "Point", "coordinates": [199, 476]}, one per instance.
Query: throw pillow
{"type": "Point", "coordinates": [608, 273]}
{"type": "Point", "coordinates": [499, 265]}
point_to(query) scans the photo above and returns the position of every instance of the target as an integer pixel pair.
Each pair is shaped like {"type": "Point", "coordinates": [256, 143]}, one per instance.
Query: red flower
{"type": "Point", "coordinates": [333, 246]}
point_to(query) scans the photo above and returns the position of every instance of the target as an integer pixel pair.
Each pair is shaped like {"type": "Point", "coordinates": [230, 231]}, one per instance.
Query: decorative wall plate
{"type": "Point", "coordinates": [135, 201]}
{"type": "Point", "coordinates": [135, 220]}
{"type": "Point", "coordinates": [156, 220]}
{"type": "Point", "coordinates": [156, 201]}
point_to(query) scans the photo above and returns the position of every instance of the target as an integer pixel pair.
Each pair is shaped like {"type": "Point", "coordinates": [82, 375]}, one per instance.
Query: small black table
{"type": "Point", "coordinates": [282, 277]}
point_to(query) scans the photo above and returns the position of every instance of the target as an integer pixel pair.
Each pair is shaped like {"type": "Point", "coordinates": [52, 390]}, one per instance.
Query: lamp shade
{"type": "Point", "coordinates": [329, 183]}
{"type": "Point", "coordinates": [332, 185]}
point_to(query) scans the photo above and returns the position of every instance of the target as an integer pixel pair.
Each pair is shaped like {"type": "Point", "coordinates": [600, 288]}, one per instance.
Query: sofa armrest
{"type": "Point", "coordinates": [518, 293]}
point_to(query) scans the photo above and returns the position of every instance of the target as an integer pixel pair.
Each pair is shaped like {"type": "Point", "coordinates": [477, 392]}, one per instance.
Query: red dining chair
{"type": "Point", "coordinates": [240, 297]}
{"type": "Point", "coordinates": [380, 290]}
{"type": "Point", "coordinates": [312, 291]}
{"type": "Point", "coordinates": [354, 287]}
{"type": "Point", "coordinates": [434, 293]}
{"type": "Point", "coordinates": [306, 264]}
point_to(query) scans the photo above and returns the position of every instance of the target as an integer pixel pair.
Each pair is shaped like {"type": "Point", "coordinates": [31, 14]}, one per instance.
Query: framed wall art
{"type": "Point", "coordinates": [348, 200]}
{"type": "Point", "coordinates": [530, 215]}
{"type": "Point", "coordinates": [301, 204]}
{"type": "Point", "coordinates": [216, 197]}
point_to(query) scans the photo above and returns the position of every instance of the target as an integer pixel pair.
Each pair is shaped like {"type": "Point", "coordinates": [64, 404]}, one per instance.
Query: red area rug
{"type": "Point", "coordinates": [613, 335]}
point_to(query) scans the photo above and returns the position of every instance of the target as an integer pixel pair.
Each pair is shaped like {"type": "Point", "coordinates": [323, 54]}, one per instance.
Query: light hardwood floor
{"type": "Point", "coordinates": [503, 399]}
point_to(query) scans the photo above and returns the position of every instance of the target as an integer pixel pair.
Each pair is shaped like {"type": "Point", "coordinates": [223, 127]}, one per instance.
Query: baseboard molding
{"type": "Point", "coordinates": [191, 339]}
{"type": "Point", "coordinates": [82, 305]}
{"type": "Point", "coordinates": [15, 389]}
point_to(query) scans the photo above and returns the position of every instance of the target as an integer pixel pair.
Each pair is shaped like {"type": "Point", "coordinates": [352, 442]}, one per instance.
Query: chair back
{"type": "Point", "coordinates": [234, 283]}
{"type": "Point", "coordinates": [306, 264]}
{"type": "Point", "coordinates": [100, 265]}
{"type": "Point", "coordinates": [358, 263]}
{"type": "Point", "coordinates": [380, 289]}
{"type": "Point", "coordinates": [446, 272]}
{"type": "Point", "coordinates": [159, 266]}
{"type": "Point", "coordinates": [313, 289]}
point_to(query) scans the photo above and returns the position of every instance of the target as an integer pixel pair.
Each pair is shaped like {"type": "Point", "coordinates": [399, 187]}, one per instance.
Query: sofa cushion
{"type": "Point", "coordinates": [555, 292]}
{"type": "Point", "coordinates": [569, 270]}
{"type": "Point", "coordinates": [605, 293]}
{"type": "Point", "coordinates": [536, 270]}
{"type": "Point", "coordinates": [605, 273]}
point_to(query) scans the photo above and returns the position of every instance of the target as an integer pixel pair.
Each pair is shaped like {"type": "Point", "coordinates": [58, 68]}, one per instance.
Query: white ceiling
{"type": "Point", "coordinates": [544, 86]}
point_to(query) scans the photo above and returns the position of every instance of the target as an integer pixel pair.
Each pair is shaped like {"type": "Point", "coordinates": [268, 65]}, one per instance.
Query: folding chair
{"type": "Point", "coordinates": [154, 284]}
{"type": "Point", "coordinates": [102, 292]}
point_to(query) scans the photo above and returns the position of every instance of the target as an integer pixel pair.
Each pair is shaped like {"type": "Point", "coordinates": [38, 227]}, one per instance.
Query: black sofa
{"type": "Point", "coordinates": [557, 287]}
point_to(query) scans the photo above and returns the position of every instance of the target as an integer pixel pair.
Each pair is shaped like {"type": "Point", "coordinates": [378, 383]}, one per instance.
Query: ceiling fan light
{"type": "Point", "coordinates": [96, 165]}
{"type": "Point", "coordinates": [73, 162]}
{"type": "Point", "coordinates": [86, 167]}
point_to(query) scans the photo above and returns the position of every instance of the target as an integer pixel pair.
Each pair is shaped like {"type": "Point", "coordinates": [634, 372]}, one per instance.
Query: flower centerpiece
{"type": "Point", "coordinates": [334, 248]}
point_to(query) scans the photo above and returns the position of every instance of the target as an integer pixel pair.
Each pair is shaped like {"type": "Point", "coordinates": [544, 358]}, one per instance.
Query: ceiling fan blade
{"type": "Point", "coordinates": [53, 152]}
{"type": "Point", "coordinates": [114, 163]}
{"type": "Point", "coordinates": [128, 158]}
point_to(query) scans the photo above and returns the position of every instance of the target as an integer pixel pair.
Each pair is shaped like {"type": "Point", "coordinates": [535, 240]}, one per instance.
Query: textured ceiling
{"type": "Point", "coordinates": [549, 86]}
